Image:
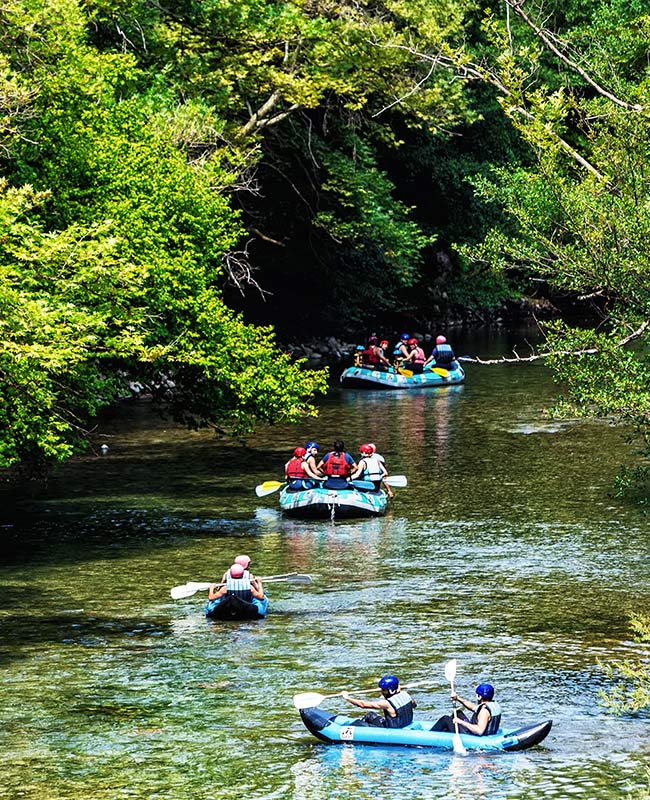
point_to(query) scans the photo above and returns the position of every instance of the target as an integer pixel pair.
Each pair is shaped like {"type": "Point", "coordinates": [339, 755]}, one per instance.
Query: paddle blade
{"type": "Point", "coordinates": [188, 589]}
{"type": "Point", "coordinates": [268, 487]}
{"type": "Point", "coordinates": [444, 373]}
{"type": "Point", "coordinates": [407, 373]}
{"type": "Point", "coordinates": [307, 700]}
{"type": "Point", "coordinates": [399, 481]}
{"type": "Point", "coordinates": [450, 670]}
{"type": "Point", "coordinates": [458, 745]}
{"type": "Point", "coordinates": [299, 577]}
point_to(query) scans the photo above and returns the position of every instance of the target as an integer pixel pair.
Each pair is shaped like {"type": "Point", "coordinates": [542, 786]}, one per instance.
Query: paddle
{"type": "Point", "coordinates": [399, 481]}
{"type": "Point", "coordinates": [444, 373]}
{"type": "Point", "coordinates": [313, 699]}
{"type": "Point", "coordinates": [407, 373]}
{"type": "Point", "coordinates": [192, 587]}
{"type": "Point", "coordinates": [450, 674]}
{"type": "Point", "coordinates": [268, 487]}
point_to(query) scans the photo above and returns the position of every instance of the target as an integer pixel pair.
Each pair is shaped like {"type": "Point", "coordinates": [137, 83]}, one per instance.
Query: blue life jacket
{"type": "Point", "coordinates": [403, 706]}
{"type": "Point", "coordinates": [443, 355]}
{"type": "Point", "coordinates": [495, 717]}
{"type": "Point", "coordinates": [240, 587]}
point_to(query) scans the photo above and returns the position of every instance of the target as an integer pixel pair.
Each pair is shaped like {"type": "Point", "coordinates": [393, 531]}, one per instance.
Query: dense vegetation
{"type": "Point", "coordinates": [165, 168]}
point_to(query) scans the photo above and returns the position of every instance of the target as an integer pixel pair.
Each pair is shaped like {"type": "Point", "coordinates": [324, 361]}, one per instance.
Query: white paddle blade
{"type": "Point", "coordinates": [188, 589]}
{"type": "Point", "coordinates": [399, 481]}
{"type": "Point", "coordinates": [450, 670]}
{"type": "Point", "coordinates": [268, 487]}
{"type": "Point", "coordinates": [458, 745]}
{"type": "Point", "coordinates": [308, 700]}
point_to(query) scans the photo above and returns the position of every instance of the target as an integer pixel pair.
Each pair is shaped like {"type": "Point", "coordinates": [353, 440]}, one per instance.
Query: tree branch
{"type": "Point", "coordinates": [517, 7]}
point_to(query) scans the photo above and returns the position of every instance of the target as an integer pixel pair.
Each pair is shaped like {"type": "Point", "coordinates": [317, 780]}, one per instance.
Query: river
{"type": "Point", "coordinates": [506, 551]}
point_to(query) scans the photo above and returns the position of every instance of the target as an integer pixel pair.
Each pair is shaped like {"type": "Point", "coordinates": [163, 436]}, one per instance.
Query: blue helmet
{"type": "Point", "coordinates": [404, 336]}
{"type": "Point", "coordinates": [309, 445]}
{"type": "Point", "coordinates": [485, 691]}
{"type": "Point", "coordinates": [389, 683]}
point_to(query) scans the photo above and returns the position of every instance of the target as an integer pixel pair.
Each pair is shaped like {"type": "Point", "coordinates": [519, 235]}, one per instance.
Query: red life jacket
{"type": "Point", "coordinates": [370, 355]}
{"type": "Point", "coordinates": [294, 469]}
{"type": "Point", "coordinates": [337, 466]}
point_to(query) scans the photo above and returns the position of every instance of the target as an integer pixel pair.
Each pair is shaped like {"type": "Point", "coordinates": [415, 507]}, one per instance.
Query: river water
{"type": "Point", "coordinates": [506, 552]}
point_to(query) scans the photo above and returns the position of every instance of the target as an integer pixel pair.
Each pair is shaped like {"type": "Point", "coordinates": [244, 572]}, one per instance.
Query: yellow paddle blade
{"type": "Point", "coordinates": [444, 373]}
{"type": "Point", "coordinates": [268, 487]}
{"type": "Point", "coordinates": [407, 373]}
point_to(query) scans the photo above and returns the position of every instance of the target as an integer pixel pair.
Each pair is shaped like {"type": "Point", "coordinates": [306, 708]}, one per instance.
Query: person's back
{"type": "Point", "coordinates": [337, 465]}
{"type": "Point", "coordinates": [443, 355]}
{"type": "Point", "coordinates": [402, 703]}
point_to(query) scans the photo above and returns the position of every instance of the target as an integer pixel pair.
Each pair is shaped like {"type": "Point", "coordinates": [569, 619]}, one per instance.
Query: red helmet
{"type": "Point", "coordinates": [440, 340]}
{"type": "Point", "coordinates": [236, 571]}
{"type": "Point", "coordinates": [372, 446]}
{"type": "Point", "coordinates": [244, 561]}
{"type": "Point", "coordinates": [299, 452]}
{"type": "Point", "coordinates": [366, 449]}
{"type": "Point", "coordinates": [413, 341]}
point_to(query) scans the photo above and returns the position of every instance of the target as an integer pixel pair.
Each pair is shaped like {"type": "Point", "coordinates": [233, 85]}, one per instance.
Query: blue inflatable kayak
{"type": "Point", "coordinates": [331, 503]}
{"type": "Point", "coordinates": [232, 607]}
{"type": "Point", "coordinates": [339, 729]}
{"type": "Point", "coordinates": [368, 378]}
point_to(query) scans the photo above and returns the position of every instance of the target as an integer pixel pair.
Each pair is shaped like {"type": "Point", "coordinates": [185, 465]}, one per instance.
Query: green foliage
{"type": "Point", "coordinates": [631, 693]}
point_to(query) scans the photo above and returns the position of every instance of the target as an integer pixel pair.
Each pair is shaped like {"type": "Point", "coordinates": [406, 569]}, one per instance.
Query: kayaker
{"type": "Point", "coordinates": [397, 705]}
{"type": "Point", "coordinates": [337, 466]}
{"type": "Point", "coordinates": [442, 355]}
{"type": "Point", "coordinates": [239, 582]}
{"type": "Point", "coordinates": [486, 714]}
{"type": "Point", "coordinates": [369, 467]}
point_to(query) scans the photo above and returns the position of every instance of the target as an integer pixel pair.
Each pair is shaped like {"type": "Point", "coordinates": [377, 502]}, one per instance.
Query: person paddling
{"type": "Point", "coordinates": [397, 706]}
{"type": "Point", "coordinates": [486, 714]}
{"type": "Point", "coordinates": [337, 465]}
{"type": "Point", "coordinates": [239, 583]}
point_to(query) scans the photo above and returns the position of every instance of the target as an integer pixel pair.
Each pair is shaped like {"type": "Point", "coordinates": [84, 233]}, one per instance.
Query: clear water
{"type": "Point", "coordinates": [505, 552]}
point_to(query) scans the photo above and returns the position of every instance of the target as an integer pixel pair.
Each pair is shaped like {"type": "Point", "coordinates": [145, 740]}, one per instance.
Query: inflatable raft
{"type": "Point", "coordinates": [368, 378]}
{"type": "Point", "coordinates": [321, 502]}
{"type": "Point", "coordinates": [232, 607]}
{"type": "Point", "coordinates": [339, 729]}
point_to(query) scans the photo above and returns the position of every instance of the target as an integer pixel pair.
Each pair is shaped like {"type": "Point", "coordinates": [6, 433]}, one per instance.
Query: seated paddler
{"type": "Point", "coordinates": [238, 583]}
{"type": "Point", "coordinates": [396, 704]}
{"type": "Point", "coordinates": [486, 714]}
{"type": "Point", "coordinates": [299, 472]}
{"type": "Point", "coordinates": [337, 466]}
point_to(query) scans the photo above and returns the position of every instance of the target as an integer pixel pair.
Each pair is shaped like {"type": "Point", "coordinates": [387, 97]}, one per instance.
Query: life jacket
{"type": "Point", "coordinates": [495, 717]}
{"type": "Point", "coordinates": [372, 471]}
{"type": "Point", "coordinates": [403, 706]}
{"type": "Point", "coordinates": [370, 355]}
{"type": "Point", "coordinates": [443, 354]}
{"type": "Point", "coordinates": [240, 587]}
{"type": "Point", "coordinates": [419, 357]}
{"type": "Point", "coordinates": [294, 469]}
{"type": "Point", "coordinates": [337, 466]}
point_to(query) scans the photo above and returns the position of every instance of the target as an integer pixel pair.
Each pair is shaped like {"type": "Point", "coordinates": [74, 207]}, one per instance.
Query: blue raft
{"type": "Point", "coordinates": [339, 729]}
{"type": "Point", "coordinates": [331, 503]}
{"type": "Point", "coordinates": [368, 378]}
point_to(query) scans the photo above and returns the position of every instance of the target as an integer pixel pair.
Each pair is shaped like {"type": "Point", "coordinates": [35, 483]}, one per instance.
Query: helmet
{"type": "Point", "coordinates": [299, 452]}
{"type": "Point", "coordinates": [372, 446]}
{"type": "Point", "coordinates": [244, 561]}
{"type": "Point", "coordinates": [413, 341]}
{"type": "Point", "coordinates": [485, 691]}
{"type": "Point", "coordinates": [390, 683]}
{"type": "Point", "coordinates": [311, 446]}
{"type": "Point", "coordinates": [404, 337]}
{"type": "Point", "coordinates": [440, 340]}
{"type": "Point", "coordinates": [384, 343]}
{"type": "Point", "coordinates": [372, 340]}
{"type": "Point", "coordinates": [236, 571]}
{"type": "Point", "coordinates": [366, 449]}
